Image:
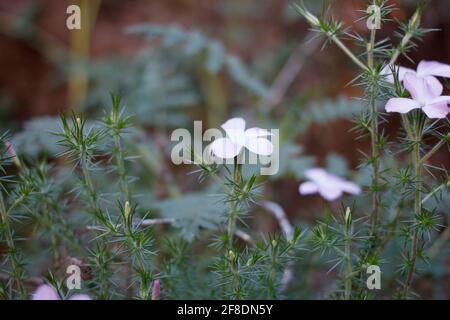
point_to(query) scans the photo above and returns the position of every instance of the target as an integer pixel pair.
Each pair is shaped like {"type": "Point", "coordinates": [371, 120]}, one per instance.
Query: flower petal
{"type": "Point", "coordinates": [80, 297]}
{"type": "Point", "coordinates": [402, 105]}
{"type": "Point", "coordinates": [433, 68]}
{"type": "Point", "coordinates": [434, 85]}
{"type": "Point", "coordinates": [317, 175]}
{"type": "Point", "coordinates": [257, 132]}
{"type": "Point", "coordinates": [350, 187]}
{"type": "Point", "coordinates": [330, 192]}
{"type": "Point", "coordinates": [235, 130]}
{"type": "Point", "coordinates": [45, 292]}
{"type": "Point", "coordinates": [225, 148]}
{"type": "Point", "coordinates": [308, 187]}
{"type": "Point", "coordinates": [436, 111]}
{"type": "Point", "coordinates": [418, 88]}
{"type": "Point", "coordinates": [401, 73]}
{"type": "Point", "coordinates": [260, 146]}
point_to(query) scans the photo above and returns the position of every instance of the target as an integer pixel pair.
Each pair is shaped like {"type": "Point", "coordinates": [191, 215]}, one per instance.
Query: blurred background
{"type": "Point", "coordinates": [175, 61]}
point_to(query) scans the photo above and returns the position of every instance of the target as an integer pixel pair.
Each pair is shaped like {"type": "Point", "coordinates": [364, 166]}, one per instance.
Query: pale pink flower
{"type": "Point", "coordinates": [424, 96]}
{"type": "Point", "coordinates": [428, 70]}
{"type": "Point", "coordinates": [156, 290]}
{"type": "Point", "coordinates": [46, 292]}
{"type": "Point", "coordinates": [329, 186]}
{"type": "Point", "coordinates": [237, 138]}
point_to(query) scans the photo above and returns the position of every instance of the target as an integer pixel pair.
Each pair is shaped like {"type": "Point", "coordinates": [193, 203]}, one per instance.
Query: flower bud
{"type": "Point", "coordinates": [12, 153]}
{"type": "Point", "coordinates": [127, 211]}
{"type": "Point", "coordinates": [156, 290]}
{"type": "Point", "coordinates": [231, 255]}
{"type": "Point", "coordinates": [347, 216]}
{"type": "Point", "coordinates": [274, 243]}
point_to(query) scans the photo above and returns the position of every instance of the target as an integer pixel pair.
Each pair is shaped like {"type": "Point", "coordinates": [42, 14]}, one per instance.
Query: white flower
{"type": "Point", "coordinates": [237, 138]}
{"type": "Point", "coordinates": [427, 70]}
{"type": "Point", "coordinates": [329, 186]}
{"type": "Point", "coordinates": [423, 96]}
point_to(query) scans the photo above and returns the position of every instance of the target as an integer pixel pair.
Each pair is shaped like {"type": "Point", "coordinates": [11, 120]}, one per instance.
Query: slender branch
{"type": "Point", "coordinates": [432, 151]}
{"type": "Point", "coordinates": [290, 70]}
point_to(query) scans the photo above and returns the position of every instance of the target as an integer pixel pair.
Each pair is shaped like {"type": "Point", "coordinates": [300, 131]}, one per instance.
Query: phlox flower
{"type": "Point", "coordinates": [46, 292]}
{"type": "Point", "coordinates": [329, 186]}
{"type": "Point", "coordinates": [237, 138]}
{"type": "Point", "coordinates": [424, 96]}
{"type": "Point", "coordinates": [427, 70]}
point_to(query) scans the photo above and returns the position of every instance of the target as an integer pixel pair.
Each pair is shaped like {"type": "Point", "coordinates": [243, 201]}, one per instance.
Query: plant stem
{"type": "Point", "coordinates": [234, 204]}
{"type": "Point", "coordinates": [347, 262]}
{"type": "Point", "coordinates": [121, 166]}
{"type": "Point", "coordinates": [374, 142]}
{"type": "Point", "coordinates": [15, 263]}
{"type": "Point", "coordinates": [417, 209]}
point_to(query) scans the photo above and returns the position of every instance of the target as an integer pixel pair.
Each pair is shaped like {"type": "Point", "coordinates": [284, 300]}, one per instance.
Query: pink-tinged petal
{"type": "Point", "coordinates": [225, 148]}
{"type": "Point", "coordinates": [257, 132]}
{"type": "Point", "coordinates": [330, 192]}
{"type": "Point", "coordinates": [308, 187]}
{"type": "Point", "coordinates": [156, 290]}
{"type": "Point", "coordinates": [436, 111]}
{"type": "Point", "coordinates": [434, 85]}
{"type": "Point", "coordinates": [235, 129]}
{"type": "Point", "coordinates": [401, 73]}
{"type": "Point", "coordinates": [317, 175]}
{"type": "Point", "coordinates": [80, 297]}
{"type": "Point", "coordinates": [441, 99]}
{"type": "Point", "coordinates": [260, 146]}
{"type": "Point", "coordinates": [350, 187]}
{"type": "Point", "coordinates": [418, 88]}
{"type": "Point", "coordinates": [433, 68]}
{"type": "Point", "coordinates": [402, 105]}
{"type": "Point", "coordinates": [45, 292]}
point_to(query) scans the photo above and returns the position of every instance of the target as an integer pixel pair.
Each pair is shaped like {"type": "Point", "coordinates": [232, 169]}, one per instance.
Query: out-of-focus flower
{"type": "Point", "coordinates": [328, 185]}
{"type": "Point", "coordinates": [46, 292]}
{"type": "Point", "coordinates": [156, 290]}
{"type": "Point", "coordinates": [424, 96]}
{"type": "Point", "coordinates": [237, 138]}
{"type": "Point", "coordinates": [427, 70]}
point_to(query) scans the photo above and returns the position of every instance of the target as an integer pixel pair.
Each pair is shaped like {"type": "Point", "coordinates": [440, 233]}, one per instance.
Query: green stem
{"type": "Point", "coordinates": [374, 143]}
{"type": "Point", "coordinates": [347, 263]}
{"type": "Point", "coordinates": [234, 204]}
{"type": "Point", "coordinates": [121, 166]}
{"type": "Point", "coordinates": [15, 263]}
{"type": "Point", "coordinates": [417, 210]}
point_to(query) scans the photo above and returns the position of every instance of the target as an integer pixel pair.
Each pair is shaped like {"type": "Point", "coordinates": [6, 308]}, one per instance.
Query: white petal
{"type": "Point", "coordinates": [225, 148]}
{"type": "Point", "coordinates": [433, 68]}
{"type": "Point", "coordinates": [308, 187]}
{"type": "Point", "coordinates": [418, 88]}
{"type": "Point", "coordinates": [45, 292]}
{"type": "Point", "coordinates": [235, 129]}
{"type": "Point", "coordinates": [350, 187]}
{"type": "Point", "coordinates": [434, 85]}
{"type": "Point", "coordinates": [436, 111]}
{"type": "Point", "coordinates": [317, 175]}
{"type": "Point", "coordinates": [401, 73]}
{"type": "Point", "coordinates": [330, 192]}
{"type": "Point", "coordinates": [257, 132]}
{"type": "Point", "coordinates": [260, 146]}
{"type": "Point", "coordinates": [402, 105]}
